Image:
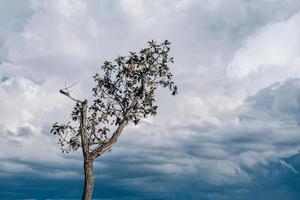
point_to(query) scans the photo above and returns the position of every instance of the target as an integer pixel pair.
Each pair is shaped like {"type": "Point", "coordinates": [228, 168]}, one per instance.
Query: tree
{"type": "Point", "coordinates": [124, 92]}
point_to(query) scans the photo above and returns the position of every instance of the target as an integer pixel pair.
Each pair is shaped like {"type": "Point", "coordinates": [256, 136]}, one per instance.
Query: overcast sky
{"type": "Point", "coordinates": [231, 133]}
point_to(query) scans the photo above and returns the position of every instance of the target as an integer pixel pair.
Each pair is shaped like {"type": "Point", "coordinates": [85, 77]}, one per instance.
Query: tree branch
{"type": "Point", "coordinates": [107, 145]}
{"type": "Point", "coordinates": [67, 94]}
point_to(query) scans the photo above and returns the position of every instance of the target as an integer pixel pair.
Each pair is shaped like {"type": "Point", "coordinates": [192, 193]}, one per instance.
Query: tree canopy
{"type": "Point", "coordinates": [124, 92]}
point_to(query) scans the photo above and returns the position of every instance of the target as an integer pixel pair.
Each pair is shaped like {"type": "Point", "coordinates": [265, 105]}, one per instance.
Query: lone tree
{"type": "Point", "coordinates": [124, 92]}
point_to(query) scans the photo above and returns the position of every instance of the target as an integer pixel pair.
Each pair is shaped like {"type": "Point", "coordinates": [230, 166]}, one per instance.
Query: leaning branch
{"type": "Point", "coordinates": [107, 145]}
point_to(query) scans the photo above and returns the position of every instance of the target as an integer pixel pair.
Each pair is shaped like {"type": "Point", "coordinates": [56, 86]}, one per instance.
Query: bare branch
{"type": "Point", "coordinates": [66, 92]}
{"type": "Point", "coordinates": [71, 85]}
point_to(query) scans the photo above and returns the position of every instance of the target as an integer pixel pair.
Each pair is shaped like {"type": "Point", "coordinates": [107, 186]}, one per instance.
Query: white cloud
{"type": "Point", "coordinates": [136, 10]}
{"type": "Point", "coordinates": [270, 54]}
{"type": "Point", "coordinates": [28, 109]}
{"type": "Point", "coordinates": [51, 31]}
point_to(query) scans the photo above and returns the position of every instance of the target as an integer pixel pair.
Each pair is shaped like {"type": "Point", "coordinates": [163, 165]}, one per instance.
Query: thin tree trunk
{"type": "Point", "coordinates": [88, 161]}
{"type": "Point", "coordinates": [88, 180]}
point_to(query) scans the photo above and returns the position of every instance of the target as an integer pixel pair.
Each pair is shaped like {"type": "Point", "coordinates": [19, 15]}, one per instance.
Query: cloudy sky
{"type": "Point", "coordinates": [231, 133]}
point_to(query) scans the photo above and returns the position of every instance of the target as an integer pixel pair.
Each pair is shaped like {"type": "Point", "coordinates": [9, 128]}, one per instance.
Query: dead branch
{"type": "Point", "coordinates": [66, 92]}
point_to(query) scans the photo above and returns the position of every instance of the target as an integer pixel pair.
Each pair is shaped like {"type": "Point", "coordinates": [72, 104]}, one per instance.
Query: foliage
{"type": "Point", "coordinates": [124, 92]}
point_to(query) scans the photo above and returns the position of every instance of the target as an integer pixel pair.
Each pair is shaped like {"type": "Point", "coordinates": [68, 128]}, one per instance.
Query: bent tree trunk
{"type": "Point", "coordinates": [88, 180]}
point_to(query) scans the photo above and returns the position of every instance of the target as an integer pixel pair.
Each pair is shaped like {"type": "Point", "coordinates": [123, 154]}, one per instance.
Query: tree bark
{"type": "Point", "coordinates": [88, 161]}
{"type": "Point", "coordinates": [88, 180]}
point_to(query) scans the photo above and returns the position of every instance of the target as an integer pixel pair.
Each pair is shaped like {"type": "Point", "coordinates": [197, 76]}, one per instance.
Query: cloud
{"type": "Point", "coordinates": [28, 109]}
{"type": "Point", "coordinates": [224, 154]}
{"type": "Point", "coordinates": [229, 125]}
{"type": "Point", "coordinates": [270, 54]}
{"type": "Point", "coordinates": [280, 101]}
{"type": "Point", "coordinates": [288, 166]}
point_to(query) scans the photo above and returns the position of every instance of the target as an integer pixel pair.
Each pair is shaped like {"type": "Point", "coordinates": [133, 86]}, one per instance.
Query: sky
{"type": "Point", "coordinates": [232, 132]}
